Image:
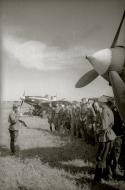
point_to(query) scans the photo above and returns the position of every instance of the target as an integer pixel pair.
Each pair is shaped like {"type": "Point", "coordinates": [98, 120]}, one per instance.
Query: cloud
{"type": "Point", "coordinates": [35, 54]}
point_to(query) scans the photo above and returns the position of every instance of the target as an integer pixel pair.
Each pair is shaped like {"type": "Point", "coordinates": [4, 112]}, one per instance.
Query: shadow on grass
{"type": "Point", "coordinates": [103, 186]}
{"type": "Point", "coordinates": [40, 129]}
{"type": "Point", "coordinates": [54, 156]}
{"type": "Point", "coordinates": [57, 156]}
{"type": "Point", "coordinates": [67, 152]}
{"type": "Point", "coordinates": [53, 132]}
{"type": "Point", "coordinates": [95, 186]}
{"type": "Point", "coordinates": [4, 151]}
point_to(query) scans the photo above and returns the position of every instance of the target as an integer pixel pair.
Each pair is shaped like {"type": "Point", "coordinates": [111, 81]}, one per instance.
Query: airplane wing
{"type": "Point", "coordinates": [54, 102]}
{"type": "Point", "coordinates": [119, 92]}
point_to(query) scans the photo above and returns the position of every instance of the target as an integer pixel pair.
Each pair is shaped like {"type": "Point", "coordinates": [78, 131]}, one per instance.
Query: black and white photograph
{"type": "Point", "coordinates": [62, 95]}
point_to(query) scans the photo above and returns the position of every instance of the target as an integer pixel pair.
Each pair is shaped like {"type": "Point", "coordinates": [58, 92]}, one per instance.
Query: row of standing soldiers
{"type": "Point", "coordinates": [73, 118]}
{"type": "Point", "coordinates": [95, 122]}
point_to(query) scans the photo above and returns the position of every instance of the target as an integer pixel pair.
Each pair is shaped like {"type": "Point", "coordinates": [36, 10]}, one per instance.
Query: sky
{"type": "Point", "coordinates": [44, 44]}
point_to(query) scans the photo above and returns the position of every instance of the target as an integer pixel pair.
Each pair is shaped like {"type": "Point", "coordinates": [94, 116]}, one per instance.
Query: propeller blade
{"type": "Point", "coordinates": [118, 31]}
{"type": "Point", "coordinates": [119, 92]}
{"type": "Point", "coordinates": [21, 103]}
{"type": "Point", "coordinates": [86, 79]}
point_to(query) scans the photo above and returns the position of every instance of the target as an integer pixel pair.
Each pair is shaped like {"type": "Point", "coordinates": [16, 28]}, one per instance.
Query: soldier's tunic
{"type": "Point", "coordinates": [83, 128]}
{"type": "Point", "coordinates": [73, 123]}
{"type": "Point", "coordinates": [50, 116]}
{"type": "Point", "coordinates": [77, 120]}
{"type": "Point", "coordinates": [98, 124]}
{"type": "Point", "coordinates": [67, 119]}
{"type": "Point", "coordinates": [58, 118]}
{"type": "Point", "coordinates": [61, 117]}
{"type": "Point", "coordinates": [89, 124]}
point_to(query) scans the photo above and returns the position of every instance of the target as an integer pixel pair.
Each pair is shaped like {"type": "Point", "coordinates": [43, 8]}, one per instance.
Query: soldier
{"type": "Point", "coordinates": [83, 120]}
{"type": "Point", "coordinates": [61, 117]}
{"type": "Point", "coordinates": [106, 136]}
{"type": "Point", "coordinates": [117, 146]}
{"type": "Point", "coordinates": [14, 121]}
{"type": "Point", "coordinates": [98, 120]}
{"type": "Point", "coordinates": [67, 119]}
{"type": "Point", "coordinates": [90, 122]}
{"type": "Point", "coordinates": [56, 117]}
{"type": "Point", "coordinates": [73, 123]}
{"type": "Point", "coordinates": [77, 119]}
{"type": "Point", "coordinates": [50, 116]}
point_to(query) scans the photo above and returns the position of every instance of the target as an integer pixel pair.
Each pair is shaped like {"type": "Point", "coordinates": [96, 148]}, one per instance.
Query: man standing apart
{"type": "Point", "coordinates": [14, 124]}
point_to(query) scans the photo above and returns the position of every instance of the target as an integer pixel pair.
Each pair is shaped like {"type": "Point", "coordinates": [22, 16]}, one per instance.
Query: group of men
{"type": "Point", "coordinates": [97, 122]}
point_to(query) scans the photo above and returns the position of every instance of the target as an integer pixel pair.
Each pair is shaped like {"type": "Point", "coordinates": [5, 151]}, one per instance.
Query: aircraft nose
{"type": "Point", "coordinates": [101, 60]}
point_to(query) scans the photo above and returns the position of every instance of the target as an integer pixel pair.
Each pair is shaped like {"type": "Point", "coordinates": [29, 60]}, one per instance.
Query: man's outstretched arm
{"type": "Point", "coordinates": [23, 122]}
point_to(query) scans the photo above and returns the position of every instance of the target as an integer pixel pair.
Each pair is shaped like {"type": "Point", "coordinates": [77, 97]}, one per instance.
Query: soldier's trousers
{"type": "Point", "coordinates": [113, 158]}
{"type": "Point", "coordinates": [13, 141]}
{"type": "Point", "coordinates": [73, 127]}
{"type": "Point", "coordinates": [77, 124]}
{"type": "Point", "coordinates": [103, 151]}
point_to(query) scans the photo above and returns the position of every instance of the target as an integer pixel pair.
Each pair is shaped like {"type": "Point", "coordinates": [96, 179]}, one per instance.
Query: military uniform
{"type": "Point", "coordinates": [50, 116]}
{"type": "Point", "coordinates": [73, 123]}
{"type": "Point", "coordinates": [106, 137]}
{"type": "Point", "coordinates": [56, 119]}
{"type": "Point", "coordinates": [117, 145]}
{"type": "Point", "coordinates": [83, 118]}
{"type": "Point", "coordinates": [14, 124]}
{"type": "Point", "coordinates": [67, 119]}
{"type": "Point", "coordinates": [61, 118]}
{"type": "Point", "coordinates": [89, 124]}
{"type": "Point", "coordinates": [77, 120]}
{"type": "Point", "coordinates": [14, 130]}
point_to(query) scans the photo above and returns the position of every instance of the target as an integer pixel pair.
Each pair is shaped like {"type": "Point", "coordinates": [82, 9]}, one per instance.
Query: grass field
{"type": "Point", "coordinates": [46, 160]}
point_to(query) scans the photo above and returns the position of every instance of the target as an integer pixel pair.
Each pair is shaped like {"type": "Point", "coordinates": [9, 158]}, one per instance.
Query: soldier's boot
{"type": "Point", "coordinates": [98, 175]}
{"type": "Point", "coordinates": [50, 127]}
{"type": "Point", "coordinates": [117, 172]}
{"type": "Point", "coordinates": [12, 147]}
{"type": "Point", "coordinates": [55, 127]}
{"type": "Point", "coordinates": [109, 173]}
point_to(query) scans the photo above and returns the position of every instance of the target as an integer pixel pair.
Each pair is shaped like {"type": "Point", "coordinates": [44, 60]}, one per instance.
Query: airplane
{"type": "Point", "coordinates": [41, 103]}
{"type": "Point", "coordinates": [110, 64]}
{"type": "Point", "coordinates": [34, 102]}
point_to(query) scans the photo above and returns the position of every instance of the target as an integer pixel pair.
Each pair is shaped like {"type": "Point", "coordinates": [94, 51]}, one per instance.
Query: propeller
{"type": "Point", "coordinates": [100, 60]}
{"type": "Point", "coordinates": [87, 78]}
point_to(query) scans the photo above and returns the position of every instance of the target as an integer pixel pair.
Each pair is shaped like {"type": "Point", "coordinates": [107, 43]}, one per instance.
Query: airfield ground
{"type": "Point", "coordinates": [47, 161]}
